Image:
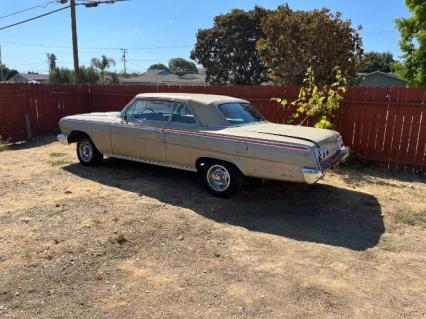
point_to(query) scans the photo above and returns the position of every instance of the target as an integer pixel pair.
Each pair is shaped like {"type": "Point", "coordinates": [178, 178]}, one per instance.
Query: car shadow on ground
{"type": "Point", "coordinates": [32, 142]}
{"type": "Point", "coordinates": [317, 213]}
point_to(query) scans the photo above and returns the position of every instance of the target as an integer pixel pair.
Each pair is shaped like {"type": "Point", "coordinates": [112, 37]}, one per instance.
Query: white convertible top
{"type": "Point", "coordinates": [192, 97]}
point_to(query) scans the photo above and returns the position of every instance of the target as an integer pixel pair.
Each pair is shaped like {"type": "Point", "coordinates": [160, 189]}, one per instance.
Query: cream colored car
{"type": "Point", "coordinates": [221, 137]}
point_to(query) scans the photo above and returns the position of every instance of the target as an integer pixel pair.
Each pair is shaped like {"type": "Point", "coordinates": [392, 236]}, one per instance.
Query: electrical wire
{"type": "Point", "coordinates": [43, 5]}
{"type": "Point", "coordinates": [87, 4]}
{"type": "Point", "coordinates": [95, 48]}
{"type": "Point", "coordinates": [380, 31]}
{"type": "Point", "coordinates": [34, 18]}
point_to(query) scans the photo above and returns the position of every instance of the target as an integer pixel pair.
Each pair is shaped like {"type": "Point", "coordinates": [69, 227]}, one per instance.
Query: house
{"type": "Point", "coordinates": [164, 77]}
{"type": "Point", "coordinates": [30, 78]}
{"type": "Point", "coordinates": [381, 79]}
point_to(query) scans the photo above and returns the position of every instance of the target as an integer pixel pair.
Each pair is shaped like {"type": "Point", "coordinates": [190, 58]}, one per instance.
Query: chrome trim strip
{"type": "Point", "coordinates": [145, 161]}
{"type": "Point", "coordinates": [220, 136]}
{"type": "Point", "coordinates": [240, 138]}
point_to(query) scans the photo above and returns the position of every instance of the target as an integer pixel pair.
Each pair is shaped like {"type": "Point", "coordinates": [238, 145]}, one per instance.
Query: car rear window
{"type": "Point", "coordinates": [240, 113]}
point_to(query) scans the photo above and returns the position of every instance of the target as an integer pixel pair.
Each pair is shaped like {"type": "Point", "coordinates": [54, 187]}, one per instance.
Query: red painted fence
{"type": "Point", "coordinates": [382, 125]}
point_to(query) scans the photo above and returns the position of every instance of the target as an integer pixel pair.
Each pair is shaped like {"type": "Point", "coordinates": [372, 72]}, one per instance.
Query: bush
{"type": "Point", "coordinates": [3, 144]}
{"type": "Point", "coordinates": [317, 102]}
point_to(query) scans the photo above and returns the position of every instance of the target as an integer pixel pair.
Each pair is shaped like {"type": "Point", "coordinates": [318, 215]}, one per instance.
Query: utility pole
{"type": "Point", "coordinates": [124, 59]}
{"type": "Point", "coordinates": [74, 38]}
{"type": "Point", "coordinates": [1, 67]}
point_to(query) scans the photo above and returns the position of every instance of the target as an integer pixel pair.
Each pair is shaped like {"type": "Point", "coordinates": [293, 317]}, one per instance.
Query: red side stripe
{"type": "Point", "coordinates": [239, 138]}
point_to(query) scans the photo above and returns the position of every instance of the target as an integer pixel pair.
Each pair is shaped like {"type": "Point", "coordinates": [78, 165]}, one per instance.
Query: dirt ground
{"type": "Point", "coordinates": [128, 240]}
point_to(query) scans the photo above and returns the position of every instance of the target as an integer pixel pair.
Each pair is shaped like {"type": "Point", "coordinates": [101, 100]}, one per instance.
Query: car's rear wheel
{"type": "Point", "coordinates": [221, 179]}
{"type": "Point", "coordinates": [87, 153]}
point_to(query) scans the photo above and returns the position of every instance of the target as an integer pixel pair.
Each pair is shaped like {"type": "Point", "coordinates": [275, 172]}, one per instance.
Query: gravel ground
{"type": "Point", "coordinates": [128, 240]}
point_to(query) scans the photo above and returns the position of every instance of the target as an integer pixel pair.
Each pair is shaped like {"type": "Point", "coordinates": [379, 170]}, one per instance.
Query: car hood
{"type": "Point", "coordinates": [106, 117]}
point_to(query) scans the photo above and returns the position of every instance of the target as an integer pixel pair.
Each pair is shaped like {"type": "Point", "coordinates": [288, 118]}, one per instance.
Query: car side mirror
{"type": "Point", "coordinates": [125, 118]}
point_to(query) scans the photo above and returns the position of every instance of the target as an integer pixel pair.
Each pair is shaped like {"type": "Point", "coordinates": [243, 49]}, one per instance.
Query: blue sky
{"type": "Point", "coordinates": [155, 31]}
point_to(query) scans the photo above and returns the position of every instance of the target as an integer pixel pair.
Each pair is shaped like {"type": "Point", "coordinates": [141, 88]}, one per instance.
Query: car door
{"type": "Point", "coordinates": [140, 133]}
{"type": "Point", "coordinates": [180, 136]}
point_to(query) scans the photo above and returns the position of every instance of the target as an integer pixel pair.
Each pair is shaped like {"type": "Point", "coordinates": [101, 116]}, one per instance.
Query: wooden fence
{"type": "Point", "coordinates": [386, 126]}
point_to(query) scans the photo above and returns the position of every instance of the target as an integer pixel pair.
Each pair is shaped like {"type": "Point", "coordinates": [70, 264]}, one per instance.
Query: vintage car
{"type": "Point", "coordinates": [220, 137]}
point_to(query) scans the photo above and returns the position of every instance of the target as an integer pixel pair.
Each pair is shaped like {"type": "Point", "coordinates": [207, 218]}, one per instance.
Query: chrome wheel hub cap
{"type": "Point", "coordinates": [85, 150]}
{"type": "Point", "coordinates": [218, 178]}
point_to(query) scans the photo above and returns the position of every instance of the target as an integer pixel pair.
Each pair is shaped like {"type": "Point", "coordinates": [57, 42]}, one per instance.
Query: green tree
{"type": "Point", "coordinates": [7, 73]}
{"type": "Point", "coordinates": [318, 102]}
{"type": "Point", "coordinates": [296, 39]}
{"type": "Point", "coordinates": [51, 60]}
{"type": "Point", "coordinates": [61, 75]}
{"type": "Point", "coordinates": [378, 61]}
{"type": "Point", "coordinates": [180, 66]}
{"type": "Point", "coordinates": [87, 76]}
{"type": "Point", "coordinates": [102, 64]}
{"type": "Point", "coordinates": [114, 78]}
{"type": "Point", "coordinates": [65, 76]}
{"type": "Point", "coordinates": [228, 50]}
{"type": "Point", "coordinates": [159, 66]}
{"type": "Point", "coordinates": [412, 68]}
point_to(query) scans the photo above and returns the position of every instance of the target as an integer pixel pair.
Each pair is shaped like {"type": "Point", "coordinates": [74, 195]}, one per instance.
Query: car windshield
{"type": "Point", "coordinates": [240, 113]}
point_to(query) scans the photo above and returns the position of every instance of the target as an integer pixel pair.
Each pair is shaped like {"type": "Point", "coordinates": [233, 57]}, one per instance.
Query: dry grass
{"type": "Point", "coordinates": [60, 162]}
{"type": "Point", "coordinates": [127, 240]}
{"type": "Point", "coordinates": [57, 154]}
{"type": "Point", "coordinates": [412, 218]}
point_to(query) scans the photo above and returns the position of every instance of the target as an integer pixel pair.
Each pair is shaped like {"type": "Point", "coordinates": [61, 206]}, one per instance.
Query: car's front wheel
{"type": "Point", "coordinates": [87, 153]}
{"type": "Point", "coordinates": [221, 179]}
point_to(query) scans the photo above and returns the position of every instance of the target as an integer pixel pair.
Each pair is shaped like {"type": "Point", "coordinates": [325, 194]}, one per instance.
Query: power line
{"type": "Point", "coordinates": [96, 48]}
{"type": "Point", "coordinates": [34, 18]}
{"type": "Point", "coordinates": [380, 31]}
{"type": "Point", "coordinates": [43, 5]}
{"type": "Point", "coordinates": [143, 60]}
{"type": "Point", "coordinates": [88, 4]}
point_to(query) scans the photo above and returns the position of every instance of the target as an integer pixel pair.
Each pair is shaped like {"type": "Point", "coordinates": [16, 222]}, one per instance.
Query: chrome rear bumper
{"type": "Point", "coordinates": [312, 175]}
{"type": "Point", "coordinates": [63, 138]}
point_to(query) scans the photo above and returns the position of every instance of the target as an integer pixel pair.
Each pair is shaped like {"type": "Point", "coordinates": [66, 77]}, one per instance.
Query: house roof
{"type": "Point", "coordinates": [381, 79]}
{"type": "Point", "coordinates": [390, 75]}
{"type": "Point", "coordinates": [31, 77]}
{"type": "Point", "coordinates": [163, 77]}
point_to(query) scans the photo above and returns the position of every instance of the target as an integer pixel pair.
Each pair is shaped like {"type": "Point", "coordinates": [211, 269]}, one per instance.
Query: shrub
{"type": "Point", "coordinates": [317, 102]}
{"type": "Point", "coordinates": [4, 144]}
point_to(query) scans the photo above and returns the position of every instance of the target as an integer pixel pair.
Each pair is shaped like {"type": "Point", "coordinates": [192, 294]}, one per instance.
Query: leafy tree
{"type": "Point", "coordinates": [102, 64]}
{"type": "Point", "coordinates": [180, 66]}
{"type": "Point", "coordinates": [378, 61]}
{"type": "Point", "coordinates": [228, 50]}
{"type": "Point", "coordinates": [65, 76]}
{"type": "Point", "coordinates": [51, 59]}
{"type": "Point", "coordinates": [114, 78]}
{"type": "Point", "coordinates": [87, 76]}
{"type": "Point", "coordinates": [61, 75]}
{"type": "Point", "coordinates": [318, 102]}
{"type": "Point", "coordinates": [413, 44]}
{"type": "Point", "coordinates": [296, 39]}
{"type": "Point", "coordinates": [7, 73]}
{"type": "Point", "coordinates": [159, 66]}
